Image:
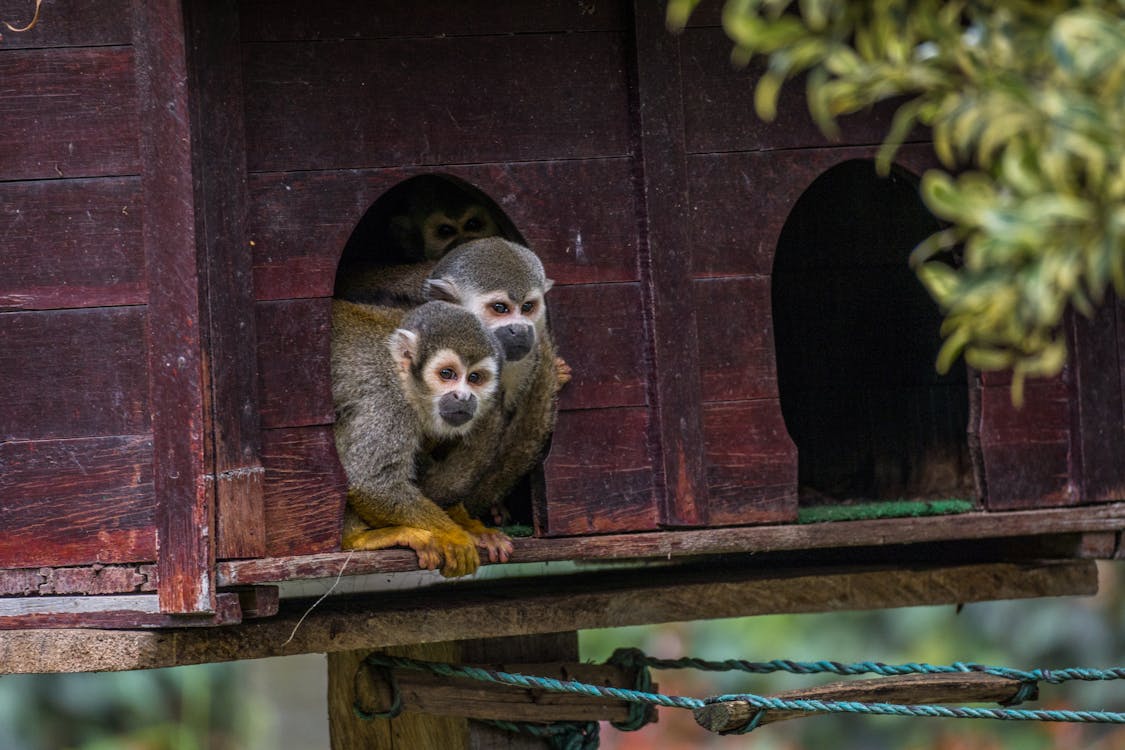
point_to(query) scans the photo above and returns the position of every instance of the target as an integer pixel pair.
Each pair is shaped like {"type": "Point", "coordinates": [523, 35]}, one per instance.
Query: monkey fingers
{"type": "Point", "coordinates": [458, 552]}
{"type": "Point", "coordinates": [564, 373]}
{"type": "Point", "coordinates": [419, 540]}
{"type": "Point", "coordinates": [498, 544]}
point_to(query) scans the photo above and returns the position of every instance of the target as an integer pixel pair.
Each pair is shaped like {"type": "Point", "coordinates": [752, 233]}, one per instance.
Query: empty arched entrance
{"type": "Point", "coordinates": [856, 336]}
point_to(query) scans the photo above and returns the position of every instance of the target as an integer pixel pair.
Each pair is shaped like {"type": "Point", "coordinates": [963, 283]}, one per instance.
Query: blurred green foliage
{"type": "Point", "coordinates": [1026, 101]}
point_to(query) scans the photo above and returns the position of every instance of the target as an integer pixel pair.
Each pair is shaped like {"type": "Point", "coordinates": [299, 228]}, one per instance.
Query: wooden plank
{"type": "Point", "coordinates": [293, 362]}
{"type": "Point", "coordinates": [1027, 451]}
{"type": "Point", "coordinates": [68, 23]}
{"type": "Point", "coordinates": [674, 544]}
{"type": "Point", "coordinates": [71, 502]}
{"type": "Point", "coordinates": [719, 105]}
{"type": "Point", "coordinates": [740, 201]}
{"type": "Point", "coordinates": [71, 243]}
{"type": "Point", "coordinates": [68, 113]}
{"type": "Point", "coordinates": [601, 337]}
{"type": "Point", "coordinates": [933, 689]}
{"type": "Point", "coordinates": [735, 333]}
{"type": "Point", "coordinates": [111, 612]}
{"type": "Point", "coordinates": [263, 20]}
{"type": "Point", "coordinates": [178, 320]}
{"type": "Point", "coordinates": [1098, 403]}
{"type": "Point", "coordinates": [87, 579]}
{"type": "Point", "coordinates": [751, 463]}
{"type": "Point", "coordinates": [220, 172]}
{"type": "Point", "coordinates": [599, 474]}
{"type": "Point", "coordinates": [532, 97]}
{"type": "Point", "coordinates": [305, 490]}
{"type": "Point", "coordinates": [666, 263]}
{"type": "Point", "coordinates": [73, 373]}
{"type": "Point", "coordinates": [579, 216]}
{"type": "Point", "coordinates": [602, 599]}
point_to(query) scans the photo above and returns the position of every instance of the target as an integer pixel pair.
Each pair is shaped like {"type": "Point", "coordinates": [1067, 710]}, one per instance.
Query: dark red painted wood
{"type": "Point", "coordinates": [87, 579]}
{"type": "Point", "coordinates": [71, 243]}
{"type": "Point", "coordinates": [178, 321]}
{"type": "Point", "coordinates": [67, 23]}
{"type": "Point", "coordinates": [294, 371]}
{"type": "Point", "coordinates": [305, 490]}
{"type": "Point", "coordinates": [418, 101]}
{"type": "Point", "coordinates": [740, 201]}
{"type": "Point", "coordinates": [263, 20]}
{"type": "Point", "coordinates": [599, 475]}
{"type": "Point", "coordinates": [73, 373]}
{"type": "Point", "coordinates": [600, 333]}
{"type": "Point", "coordinates": [72, 502]}
{"type": "Point", "coordinates": [220, 168]}
{"type": "Point", "coordinates": [736, 352]}
{"type": "Point", "coordinates": [1026, 451]}
{"type": "Point", "coordinates": [667, 244]}
{"type": "Point", "coordinates": [719, 109]}
{"type": "Point", "coordinates": [751, 463]}
{"type": "Point", "coordinates": [1096, 393]}
{"type": "Point", "coordinates": [75, 114]}
{"type": "Point", "coordinates": [579, 216]}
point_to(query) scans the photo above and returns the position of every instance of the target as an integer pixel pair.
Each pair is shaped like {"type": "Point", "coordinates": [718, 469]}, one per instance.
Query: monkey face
{"type": "Point", "coordinates": [441, 231]}
{"type": "Point", "coordinates": [457, 389]}
{"type": "Point", "coordinates": [513, 322]}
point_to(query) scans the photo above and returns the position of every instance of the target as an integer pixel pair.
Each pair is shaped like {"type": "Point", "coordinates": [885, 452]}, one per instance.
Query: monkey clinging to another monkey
{"type": "Point", "coordinates": [402, 384]}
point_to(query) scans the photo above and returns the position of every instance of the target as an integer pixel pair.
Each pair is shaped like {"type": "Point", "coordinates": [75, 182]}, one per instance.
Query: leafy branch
{"type": "Point", "coordinates": [1026, 102]}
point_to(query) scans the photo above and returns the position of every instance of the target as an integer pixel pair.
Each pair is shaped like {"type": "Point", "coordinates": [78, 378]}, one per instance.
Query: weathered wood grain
{"type": "Point", "coordinates": [735, 333]}
{"type": "Point", "coordinates": [73, 373]}
{"type": "Point", "coordinates": [601, 599]}
{"type": "Point", "coordinates": [666, 246]}
{"type": "Point", "coordinates": [338, 19]}
{"type": "Point", "coordinates": [114, 612]}
{"type": "Point", "coordinates": [68, 113]}
{"type": "Point", "coordinates": [719, 105]}
{"type": "Point", "coordinates": [68, 23]}
{"type": "Point", "coordinates": [1097, 402]}
{"type": "Point", "coordinates": [305, 490]}
{"type": "Point", "coordinates": [741, 201]}
{"type": "Point", "coordinates": [415, 101]}
{"type": "Point", "coordinates": [294, 370]}
{"type": "Point", "coordinates": [179, 324]}
{"type": "Point", "coordinates": [599, 474]}
{"type": "Point", "coordinates": [751, 463]}
{"type": "Point", "coordinates": [71, 502]}
{"type": "Point", "coordinates": [71, 243]}
{"type": "Point", "coordinates": [599, 331]}
{"type": "Point", "coordinates": [579, 216]}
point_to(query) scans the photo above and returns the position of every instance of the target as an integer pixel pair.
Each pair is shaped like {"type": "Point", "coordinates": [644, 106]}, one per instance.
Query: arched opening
{"type": "Point", "coordinates": [856, 336]}
{"type": "Point", "coordinates": [390, 253]}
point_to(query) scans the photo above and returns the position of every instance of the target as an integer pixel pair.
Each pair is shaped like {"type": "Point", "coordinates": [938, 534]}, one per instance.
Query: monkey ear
{"type": "Point", "coordinates": [547, 285]}
{"type": "Point", "coordinates": [441, 289]}
{"type": "Point", "coordinates": [404, 347]}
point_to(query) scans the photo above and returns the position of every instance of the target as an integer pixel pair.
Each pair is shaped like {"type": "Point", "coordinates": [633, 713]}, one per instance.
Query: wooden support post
{"type": "Point", "coordinates": [414, 729]}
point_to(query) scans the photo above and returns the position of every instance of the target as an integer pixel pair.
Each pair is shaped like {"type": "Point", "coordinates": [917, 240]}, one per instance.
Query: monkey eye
{"type": "Point", "coordinates": [447, 373]}
{"type": "Point", "coordinates": [446, 230]}
{"type": "Point", "coordinates": [528, 306]}
{"type": "Point", "coordinates": [475, 378]}
{"type": "Point", "coordinates": [500, 308]}
{"type": "Point", "coordinates": [474, 224]}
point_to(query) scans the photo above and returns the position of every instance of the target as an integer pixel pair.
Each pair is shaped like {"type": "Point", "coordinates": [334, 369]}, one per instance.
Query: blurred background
{"type": "Point", "coordinates": [280, 703]}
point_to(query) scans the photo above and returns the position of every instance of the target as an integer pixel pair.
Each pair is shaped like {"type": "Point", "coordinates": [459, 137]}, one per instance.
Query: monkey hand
{"type": "Point", "coordinates": [494, 541]}
{"type": "Point", "coordinates": [453, 550]}
{"type": "Point", "coordinates": [564, 373]}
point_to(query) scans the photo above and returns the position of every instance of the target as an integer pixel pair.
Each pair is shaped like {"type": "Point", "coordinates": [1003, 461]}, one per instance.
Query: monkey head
{"type": "Point", "coordinates": [503, 284]}
{"type": "Point", "coordinates": [449, 367]}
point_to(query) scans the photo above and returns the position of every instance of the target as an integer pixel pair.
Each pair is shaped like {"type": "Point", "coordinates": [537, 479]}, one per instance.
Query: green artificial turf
{"type": "Point", "coordinates": [884, 509]}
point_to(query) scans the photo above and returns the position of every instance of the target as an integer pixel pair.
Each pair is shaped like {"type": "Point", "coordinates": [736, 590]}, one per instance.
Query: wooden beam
{"type": "Point", "coordinates": [522, 607]}
{"type": "Point", "coordinates": [673, 544]}
{"type": "Point", "coordinates": [117, 611]}
{"type": "Point", "coordinates": [936, 689]}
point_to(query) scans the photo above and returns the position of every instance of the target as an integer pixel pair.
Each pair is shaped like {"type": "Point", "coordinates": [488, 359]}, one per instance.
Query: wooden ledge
{"type": "Point", "coordinates": [523, 607]}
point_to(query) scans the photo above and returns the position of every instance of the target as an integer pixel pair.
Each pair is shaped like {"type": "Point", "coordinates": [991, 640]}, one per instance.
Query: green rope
{"type": "Point", "coordinates": [568, 736]}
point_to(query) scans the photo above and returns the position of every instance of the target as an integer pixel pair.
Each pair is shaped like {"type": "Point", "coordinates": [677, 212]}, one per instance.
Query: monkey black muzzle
{"type": "Point", "coordinates": [457, 408]}
{"type": "Point", "coordinates": [516, 340]}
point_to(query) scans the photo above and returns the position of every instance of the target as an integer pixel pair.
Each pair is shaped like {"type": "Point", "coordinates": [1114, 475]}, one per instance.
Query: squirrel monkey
{"type": "Point", "coordinates": [504, 285]}
{"type": "Point", "coordinates": [421, 218]}
{"type": "Point", "coordinates": [402, 383]}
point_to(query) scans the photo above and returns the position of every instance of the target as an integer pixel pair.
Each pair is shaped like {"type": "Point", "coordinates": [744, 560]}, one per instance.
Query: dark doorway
{"type": "Point", "coordinates": [856, 337]}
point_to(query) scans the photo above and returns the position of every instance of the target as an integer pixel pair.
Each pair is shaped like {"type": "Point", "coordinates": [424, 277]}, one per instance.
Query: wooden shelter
{"type": "Point", "coordinates": [178, 181]}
